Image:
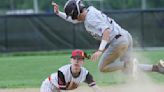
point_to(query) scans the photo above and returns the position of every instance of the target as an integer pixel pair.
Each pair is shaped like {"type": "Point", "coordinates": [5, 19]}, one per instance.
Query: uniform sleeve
{"type": "Point", "coordinates": [61, 80]}
{"type": "Point", "coordinates": [69, 19]}
{"type": "Point", "coordinates": [89, 80]}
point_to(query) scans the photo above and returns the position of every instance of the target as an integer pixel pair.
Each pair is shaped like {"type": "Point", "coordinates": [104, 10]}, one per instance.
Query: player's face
{"type": "Point", "coordinates": [82, 15]}
{"type": "Point", "coordinates": [80, 18]}
{"type": "Point", "coordinates": [77, 62]}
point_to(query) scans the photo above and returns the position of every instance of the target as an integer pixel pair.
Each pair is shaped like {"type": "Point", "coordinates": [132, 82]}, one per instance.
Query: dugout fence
{"type": "Point", "coordinates": [49, 32]}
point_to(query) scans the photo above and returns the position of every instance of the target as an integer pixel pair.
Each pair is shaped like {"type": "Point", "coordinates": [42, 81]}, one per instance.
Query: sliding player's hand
{"type": "Point", "coordinates": [96, 55]}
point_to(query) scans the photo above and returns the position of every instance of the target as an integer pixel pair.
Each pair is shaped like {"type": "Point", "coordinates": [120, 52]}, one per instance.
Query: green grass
{"type": "Point", "coordinates": [20, 71]}
{"type": "Point", "coordinates": [30, 70]}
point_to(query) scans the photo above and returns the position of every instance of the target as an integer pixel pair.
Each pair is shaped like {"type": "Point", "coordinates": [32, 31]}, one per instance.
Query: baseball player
{"type": "Point", "coordinates": [69, 77]}
{"type": "Point", "coordinates": [116, 43]}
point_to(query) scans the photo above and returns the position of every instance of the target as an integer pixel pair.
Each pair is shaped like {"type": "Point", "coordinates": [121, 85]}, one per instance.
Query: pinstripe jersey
{"type": "Point", "coordinates": [96, 22]}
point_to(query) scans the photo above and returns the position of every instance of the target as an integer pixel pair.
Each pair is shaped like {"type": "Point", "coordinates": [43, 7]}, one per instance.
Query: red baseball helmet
{"type": "Point", "coordinates": [78, 54]}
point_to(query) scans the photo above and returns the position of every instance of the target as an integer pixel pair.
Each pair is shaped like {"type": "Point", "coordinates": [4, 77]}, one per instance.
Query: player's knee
{"type": "Point", "coordinates": [100, 66]}
{"type": "Point", "coordinates": [106, 68]}
{"type": "Point", "coordinates": [103, 69]}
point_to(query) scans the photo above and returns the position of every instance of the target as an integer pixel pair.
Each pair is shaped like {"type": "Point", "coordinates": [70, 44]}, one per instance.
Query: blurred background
{"type": "Point", "coordinates": [44, 6]}
{"type": "Point", "coordinates": [35, 42]}
{"type": "Point", "coordinates": [31, 25]}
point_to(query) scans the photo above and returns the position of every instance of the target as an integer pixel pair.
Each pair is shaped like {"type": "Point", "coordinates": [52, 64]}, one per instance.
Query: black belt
{"type": "Point", "coordinates": [118, 36]}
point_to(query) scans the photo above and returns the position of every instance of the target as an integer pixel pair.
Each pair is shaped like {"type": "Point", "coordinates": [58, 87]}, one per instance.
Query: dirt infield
{"type": "Point", "coordinates": [141, 83]}
{"type": "Point", "coordinates": [121, 88]}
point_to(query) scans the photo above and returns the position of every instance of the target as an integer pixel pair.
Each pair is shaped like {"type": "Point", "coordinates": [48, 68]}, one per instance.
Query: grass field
{"type": "Point", "coordinates": [29, 70]}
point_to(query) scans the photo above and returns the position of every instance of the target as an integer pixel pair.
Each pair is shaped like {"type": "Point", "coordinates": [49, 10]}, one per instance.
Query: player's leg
{"type": "Point", "coordinates": [153, 68]}
{"type": "Point", "coordinates": [160, 67]}
{"type": "Point", "coordinates": [110, 59]}
{"type": "Point", "coordinates": [134, 66]}
{"type": "Point", "coordinates": [130, 63]}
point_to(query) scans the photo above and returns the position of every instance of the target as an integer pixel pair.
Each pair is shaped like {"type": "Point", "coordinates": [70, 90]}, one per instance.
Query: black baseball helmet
{"type": "Point", "coordinates": [73, 8]}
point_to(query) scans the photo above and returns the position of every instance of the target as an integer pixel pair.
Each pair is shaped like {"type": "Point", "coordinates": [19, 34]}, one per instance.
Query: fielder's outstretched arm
{"type": "Point", "coordinates": [62, 14]}
{"type": "Point", "coordinates": [91, 83]}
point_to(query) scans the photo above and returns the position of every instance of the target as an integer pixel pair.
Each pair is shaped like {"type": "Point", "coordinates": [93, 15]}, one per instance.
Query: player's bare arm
{"type": "Point", "coordinates": [91, 83]}
{"type": "Point", "coordinates": [104, 41]}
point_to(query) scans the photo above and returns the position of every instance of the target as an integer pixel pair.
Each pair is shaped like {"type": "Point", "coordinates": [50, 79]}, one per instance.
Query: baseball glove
{"type": "Point", "coordinates": [71, 85]}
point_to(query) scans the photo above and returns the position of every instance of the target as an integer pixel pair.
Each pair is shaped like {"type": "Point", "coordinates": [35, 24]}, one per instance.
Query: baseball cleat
{"type": "Point", "coordinates": [160, 66]}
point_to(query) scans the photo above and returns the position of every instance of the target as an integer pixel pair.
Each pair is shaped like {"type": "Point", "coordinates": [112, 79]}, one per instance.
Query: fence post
{"type": "Point", "coordinates": [142, 29]}
{"type": "Point", "coordinates": [6, 34]}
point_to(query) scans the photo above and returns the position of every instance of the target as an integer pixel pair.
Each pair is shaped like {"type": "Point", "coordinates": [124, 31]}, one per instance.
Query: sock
{"type": "Point", "coordinates": [145, 67]}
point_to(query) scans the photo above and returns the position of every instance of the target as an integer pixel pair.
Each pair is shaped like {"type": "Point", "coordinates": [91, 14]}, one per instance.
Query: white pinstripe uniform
{"type": "Point", "coordinates": [51, 84]}
{"type": "Point", "coordinates": [95, 23]}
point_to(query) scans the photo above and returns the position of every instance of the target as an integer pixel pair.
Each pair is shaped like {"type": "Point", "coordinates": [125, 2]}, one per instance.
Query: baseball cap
{"type": "Point", "coordinates": [78, 54]}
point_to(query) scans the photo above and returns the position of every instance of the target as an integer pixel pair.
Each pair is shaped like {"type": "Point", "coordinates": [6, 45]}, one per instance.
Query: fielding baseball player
{"type": "Point", "coordinates": [116, 43]}
{"type": "Point", "coordinates": [69, 77]}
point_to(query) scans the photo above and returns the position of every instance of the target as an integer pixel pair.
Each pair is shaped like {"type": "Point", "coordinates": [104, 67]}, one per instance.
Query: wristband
{"type": "Point", "coordinates": [102, 45]}
{"type": "Point", "coordinates": [100, 50]}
